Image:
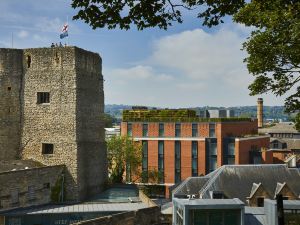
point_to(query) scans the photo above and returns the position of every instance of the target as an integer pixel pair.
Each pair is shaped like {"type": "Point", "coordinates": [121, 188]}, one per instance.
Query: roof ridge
{"type": "Point", "coordinates": [211, 180]}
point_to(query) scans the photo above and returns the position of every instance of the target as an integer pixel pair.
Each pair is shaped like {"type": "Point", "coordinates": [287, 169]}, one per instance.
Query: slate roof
{"type": "Point", "coordinates": [13, 165]}
{"type": "Point", "coordinates": [279, 128]}
{"type": "Point", "coordinates": [236, 181]}
{"type": "Point", "coordinates": [77, 208]}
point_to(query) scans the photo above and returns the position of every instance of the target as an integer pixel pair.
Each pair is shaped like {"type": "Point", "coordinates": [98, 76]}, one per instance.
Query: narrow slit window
{"type": "Point", "coordinates": [43, 97]}
{"type": "Point", "coordinates": [28, 61]}
{"type": "Point", "coordinates": [47, 148]}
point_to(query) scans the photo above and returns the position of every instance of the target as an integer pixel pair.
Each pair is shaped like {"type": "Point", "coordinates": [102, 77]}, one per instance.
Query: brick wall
{"type": "Point", "coordinates": [20, 180]}
{"type": "Point", "coordinates": [186, 130]}
{"type": "Point", "coordinates": [238, 129]}
{"type": "Point", "coordinates": [169, 161]}
{"type": "Point", "coordinates": [243, 147]}
{"type": "Point", "coordinates": [153, 129]}
{"type": "Point", "coordinates": [123, 128]}
{"type": "Point", "coordinates": [203, 129]}
{"type": "Point", "coordinates": [186, 159]}
{"type": "Point", "coordinates": [267, 157]}
{"type": "Point", "coordinates": [201, 158]}
{"type": "Point", "coordinates": [152, 155]}
{"type": "Point", "coordinates": [169, 129]}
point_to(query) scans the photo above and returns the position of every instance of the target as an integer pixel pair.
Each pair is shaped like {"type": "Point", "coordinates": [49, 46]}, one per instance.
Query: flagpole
{"type": "Point", "coordinates": [68, 41]}
{"type": "Point", "coordinates": [12, 39]}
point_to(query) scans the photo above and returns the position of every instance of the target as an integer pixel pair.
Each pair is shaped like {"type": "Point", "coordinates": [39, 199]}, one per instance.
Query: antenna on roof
{"type": "Point", "coordinates": [12, 39]}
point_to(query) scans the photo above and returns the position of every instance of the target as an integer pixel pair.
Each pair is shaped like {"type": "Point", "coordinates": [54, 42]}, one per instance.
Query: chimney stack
{"type": "Point", "coordinates": [260, 112]}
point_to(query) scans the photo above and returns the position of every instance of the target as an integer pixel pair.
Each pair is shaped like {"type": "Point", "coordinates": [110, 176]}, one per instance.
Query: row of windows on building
{"type": "Point", "coordinates": [161, 130]}
{"type": "Point", "coordinates": [211, 161]}
{"type": "Point", "coordinates": [285, 135]}
{"type": "Point", "coordinates": [177, 160]}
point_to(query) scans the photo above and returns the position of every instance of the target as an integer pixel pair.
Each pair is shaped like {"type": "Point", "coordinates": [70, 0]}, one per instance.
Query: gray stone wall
{"type": "Point", "coordinates": [92, 168]}
{"type": "Point", "coordinates": [10, 98]}
{"type": "Point", "coordinates": [52, 70]}
{"type": "Point", "coordinates": [71, 121]}
{"type": "Point", "coordinates": [40, 180]}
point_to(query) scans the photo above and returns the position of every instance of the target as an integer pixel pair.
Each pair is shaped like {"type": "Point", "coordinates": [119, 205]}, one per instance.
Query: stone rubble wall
{"type": "Point", "coordinates": [40, 179]}
{"type": "Point", "coordinates": [72, 121]}
{"type": "Point", "coordinates": [11, 74]}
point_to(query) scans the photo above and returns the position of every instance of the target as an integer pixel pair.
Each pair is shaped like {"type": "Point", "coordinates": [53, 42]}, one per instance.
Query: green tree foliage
{"type": "Point", "coordinates": [123, 152]}
{"type": "Point", "coordinates": [108, 120]}
{"type": "Point", "coordinates": [151, 13]}
{"type": "Point", "coordinates": [273, 47]}
{"type": "Point", "coordinates": [297, 121]}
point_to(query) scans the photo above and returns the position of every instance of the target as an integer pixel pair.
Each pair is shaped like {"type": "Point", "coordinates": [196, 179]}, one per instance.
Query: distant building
{"type": "Point", "coordinates": [284, 143]}
{"type": "Point", "coordinates": [216, 113]}
{"type": "Point", "coordinates": [112, 131]}
{"type": "Point", "coordinates": [178, 144]}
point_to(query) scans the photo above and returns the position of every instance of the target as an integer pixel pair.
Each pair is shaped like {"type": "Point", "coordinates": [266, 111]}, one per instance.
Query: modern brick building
{"type": "Point", "coordinates": [179, 144]}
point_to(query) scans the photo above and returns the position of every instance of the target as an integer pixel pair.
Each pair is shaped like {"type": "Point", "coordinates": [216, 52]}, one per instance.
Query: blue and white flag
{"type": "Point", "coordinates": [64, 31]}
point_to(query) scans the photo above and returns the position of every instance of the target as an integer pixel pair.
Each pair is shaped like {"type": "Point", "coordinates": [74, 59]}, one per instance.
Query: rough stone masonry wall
{"type": "Point", "coordinates": [92, 168]}
{"type": "Point", "coordinates": [71, 121]}
{"type": "Point", "coordinates": [20, 180]}
{"type": "Point", "coordinates": [51, 70]}
{"type": "Point", "coordinates": [10, 107]}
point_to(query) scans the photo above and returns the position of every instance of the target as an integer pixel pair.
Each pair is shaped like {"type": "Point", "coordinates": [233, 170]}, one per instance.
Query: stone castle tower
{"type": "Point", "coordinates": [51, 103]}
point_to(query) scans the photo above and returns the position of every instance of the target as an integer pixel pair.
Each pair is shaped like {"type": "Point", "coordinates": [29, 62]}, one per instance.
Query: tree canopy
{"type": "Point", "coordinates": [273, 46]}
{"type": "Point", "coordinates": [151, 13]}
{"type": "Point", "coordinates": [123, 155]}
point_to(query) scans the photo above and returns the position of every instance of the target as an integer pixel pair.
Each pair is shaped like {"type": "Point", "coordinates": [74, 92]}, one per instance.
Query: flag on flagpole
{"type": "Point", "coordinates": [64, 31]}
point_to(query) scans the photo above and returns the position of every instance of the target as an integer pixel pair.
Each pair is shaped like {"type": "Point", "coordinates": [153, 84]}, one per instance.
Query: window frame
{"type": "Point", "coordinates": [177, 130]}
{"type": "Point", "coordinates": [161, 129]}
{"type": "Point", "coordinates": [129, 129]}
{"type": "Point", "coordinates": [195, 132]}
{"type": "Point", "coordinates": [161, 162]}
{"type": "Point", "coordinates": [145, 129]}
{"type": "Point", "coordinates": [177, 161]}
{"type": "Point", "coordinates": [194, 158]}
{"type": "Point", "coordinates": [46, 151]}
{"type": "Point", "coordinates": [42, 98]}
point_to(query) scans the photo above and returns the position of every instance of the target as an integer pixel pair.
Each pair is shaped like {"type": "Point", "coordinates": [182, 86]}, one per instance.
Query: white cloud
{"type": "Point", "coordinates": [199, 55]}
{"type": "Point", "coordinates": [191, 68]}
{"type": "Point", "coordinates": [139, 73]}
{"type": "Point", "coordinates": [23, 34]}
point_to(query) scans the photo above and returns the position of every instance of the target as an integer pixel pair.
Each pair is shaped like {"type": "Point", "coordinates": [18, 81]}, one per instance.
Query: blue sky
{"type": "Point", "coordinates": [187, 65]}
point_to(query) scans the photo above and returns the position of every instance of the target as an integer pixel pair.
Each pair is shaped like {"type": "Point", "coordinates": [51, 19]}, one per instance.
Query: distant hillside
{"type": "Point", "coordinates": [270, 112]}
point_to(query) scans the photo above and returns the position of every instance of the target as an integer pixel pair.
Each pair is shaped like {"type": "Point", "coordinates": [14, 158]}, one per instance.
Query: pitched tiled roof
{"type": "Point", "coordinates": [236, 181]}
